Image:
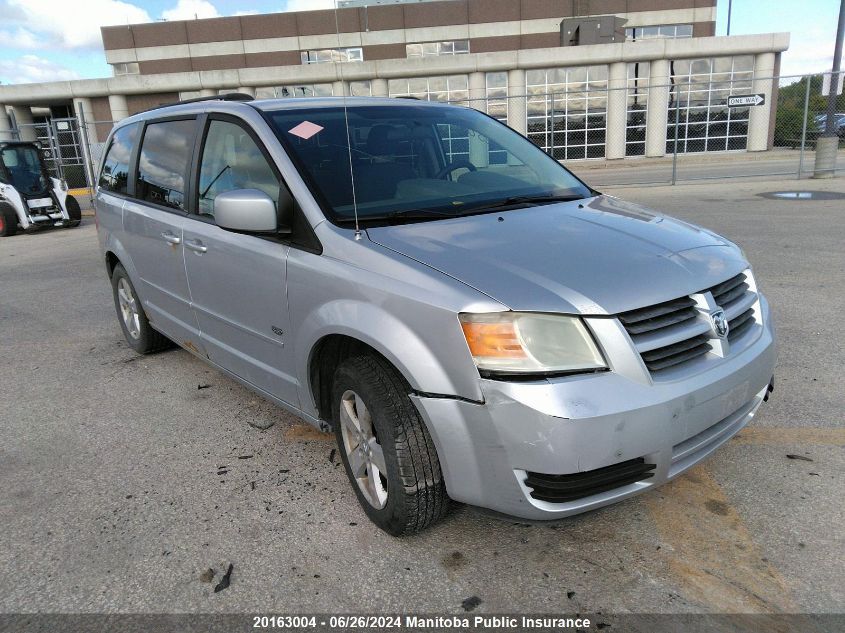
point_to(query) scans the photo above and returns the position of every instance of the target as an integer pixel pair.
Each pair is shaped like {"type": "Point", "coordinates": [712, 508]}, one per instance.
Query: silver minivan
{"type": "Point", "coordinates": [471, 321]}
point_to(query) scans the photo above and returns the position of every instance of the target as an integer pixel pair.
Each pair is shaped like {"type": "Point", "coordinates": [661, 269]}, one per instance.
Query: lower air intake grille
{"type": "Point", "coordinates": [563, 488]}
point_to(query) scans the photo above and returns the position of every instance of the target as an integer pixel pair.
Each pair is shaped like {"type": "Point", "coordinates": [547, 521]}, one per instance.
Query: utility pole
{"type": "Point", "coordinates": [730, 6]}
{"type": "Point", "coordinates": [827, 145]}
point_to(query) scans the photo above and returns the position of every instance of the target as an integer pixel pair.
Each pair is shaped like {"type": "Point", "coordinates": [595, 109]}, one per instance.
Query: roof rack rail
{"type": "Point", "coordinates": [229, 96]}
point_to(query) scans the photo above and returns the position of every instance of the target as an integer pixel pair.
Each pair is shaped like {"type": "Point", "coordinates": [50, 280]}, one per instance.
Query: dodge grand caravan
{"type": "Point", "coordinates": [468, 318]}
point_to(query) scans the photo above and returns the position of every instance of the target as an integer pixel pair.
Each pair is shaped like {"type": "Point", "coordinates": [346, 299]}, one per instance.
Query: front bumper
{"type": "Point", "coordinates": [583, 423]}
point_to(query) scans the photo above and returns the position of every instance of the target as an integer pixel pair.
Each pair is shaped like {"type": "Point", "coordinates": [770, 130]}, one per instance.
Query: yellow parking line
{"type": "Point", "coordinates": [81, 191]}
{"type": "Point", "coordinates": [791, 435]}
{"type": "Point", "coordinates": [710, 551]}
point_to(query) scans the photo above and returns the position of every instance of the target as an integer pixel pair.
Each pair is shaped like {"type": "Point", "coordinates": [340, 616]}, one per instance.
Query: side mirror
{"type": "Point", "coordinates": [250, 211]}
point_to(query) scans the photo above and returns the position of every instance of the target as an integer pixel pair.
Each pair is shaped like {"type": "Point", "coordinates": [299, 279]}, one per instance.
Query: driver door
{"type": "Point", "coordinates": [238, 281]}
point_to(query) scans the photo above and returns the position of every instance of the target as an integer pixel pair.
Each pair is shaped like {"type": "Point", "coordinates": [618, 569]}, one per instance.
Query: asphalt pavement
{"type": "Point", "coordinates": [124, 479]}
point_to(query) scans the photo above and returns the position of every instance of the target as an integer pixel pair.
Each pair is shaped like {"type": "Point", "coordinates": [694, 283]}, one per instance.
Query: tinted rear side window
{"type": "Point", "coordinates": [114, 176]}
{"type": "Point", "coordinates": [163, 162]}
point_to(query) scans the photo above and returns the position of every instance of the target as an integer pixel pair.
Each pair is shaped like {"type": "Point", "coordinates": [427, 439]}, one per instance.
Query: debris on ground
{"type": "Point", "coordinates": [244, 456]}
{"type": "Point", "coordinates": [332, 454]}
{"type": "Point", "coordinates": [207, 575]}
{"type": "Point", "coordinates": [471, 603]}
{"type": "Point", "coordinates": [203, 386]}
{"type": "Point", "coordinates": [224, 582]}
{"type": "Point", "coordinates": [801, 457]}
{"type": "Point", "coordinates": [570, 594]}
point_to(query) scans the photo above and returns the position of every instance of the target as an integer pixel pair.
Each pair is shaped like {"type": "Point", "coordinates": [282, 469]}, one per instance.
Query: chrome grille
{"type": "Point", "coordinates": [675, 332]}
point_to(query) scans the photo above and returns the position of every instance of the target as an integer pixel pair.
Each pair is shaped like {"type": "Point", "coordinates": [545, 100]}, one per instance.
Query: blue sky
{"type": "Point", "coordinates": [49, 40]}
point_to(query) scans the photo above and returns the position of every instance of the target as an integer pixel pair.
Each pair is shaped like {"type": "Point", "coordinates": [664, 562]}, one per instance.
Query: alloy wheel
{"type": "Point", "coordinates": [363, 451]}
{"type": "Point", "coordinates": [129, 310]}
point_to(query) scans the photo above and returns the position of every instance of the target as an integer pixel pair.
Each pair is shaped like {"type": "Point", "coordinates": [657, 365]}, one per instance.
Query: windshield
{"type": "Point", "coordinates": [23, 168]}
{"type": "Point", "coordinates": [416, 160]}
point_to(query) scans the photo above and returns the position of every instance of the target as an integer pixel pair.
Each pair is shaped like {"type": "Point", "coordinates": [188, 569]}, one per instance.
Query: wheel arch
{"type": "Point", "coordinates": [326, 355]}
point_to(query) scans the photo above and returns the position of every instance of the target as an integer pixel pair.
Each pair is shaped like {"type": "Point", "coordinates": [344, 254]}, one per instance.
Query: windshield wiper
{"type": "Point", "coordinates": [514, 200]}
{"type": "Point", "coordinates": [405, 214]}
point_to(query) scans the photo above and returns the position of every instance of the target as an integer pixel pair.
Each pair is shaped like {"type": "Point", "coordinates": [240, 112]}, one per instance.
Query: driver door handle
{"type": "Point", "coordinates": [196, 246]}
{"type": "Point", "coordinates": [168, 237]}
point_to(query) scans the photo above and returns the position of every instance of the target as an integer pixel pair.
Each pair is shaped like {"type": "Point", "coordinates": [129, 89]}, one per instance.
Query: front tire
{"type": "Point", "coordinates": [73, 211]}
{"type": "Point", "coordinates": [130, 313]}
{"type": "Point", "coordinates": [387, 452]}
{"type": "Point", "coordinates": [8, 221]}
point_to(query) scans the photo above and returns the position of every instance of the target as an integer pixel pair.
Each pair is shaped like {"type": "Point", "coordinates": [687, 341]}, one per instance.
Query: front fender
{"type": "Point", "coordinates": [424, 368]}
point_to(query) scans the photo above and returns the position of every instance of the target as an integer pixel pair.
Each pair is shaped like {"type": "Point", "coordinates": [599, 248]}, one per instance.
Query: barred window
{"type": "Point", "coordinates": [666, 31]}
{"type": "Point", "coordinates": [433, 49]}
{"type": "Point", "coordinates": [698, 100]}
{"type": "Point", "coordinates": [332, 55]}
{"type": "Point", "coordinates": [636, 108]}
{"type": "Point", "coordinates": [129, 68]}
{"type": "Point", "coordinates": [453, 88]}
{"type": "Point", "coordinates": [567, 111]}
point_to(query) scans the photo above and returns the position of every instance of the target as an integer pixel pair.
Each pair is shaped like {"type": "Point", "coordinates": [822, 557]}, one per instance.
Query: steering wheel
{"type": "Point", "coordinates": [461, 163]}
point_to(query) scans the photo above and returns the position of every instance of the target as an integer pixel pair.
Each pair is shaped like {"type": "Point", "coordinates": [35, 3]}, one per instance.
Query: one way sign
{"type": "Point", "coordinates": [740, 101]}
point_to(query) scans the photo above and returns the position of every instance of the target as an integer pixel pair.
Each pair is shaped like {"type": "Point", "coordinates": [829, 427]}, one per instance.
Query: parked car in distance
{"type": "Point", "coordinates": [470, 320]}
{"type": "Point", "coordinates": [820, 123]}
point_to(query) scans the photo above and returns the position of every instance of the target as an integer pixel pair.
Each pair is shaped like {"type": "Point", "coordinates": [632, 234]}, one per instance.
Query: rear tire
{"type": "Point", "coordinates": [8, 220]}
{"type": "Point", "coordinates": [381, 435]}
{"type": "Point", "coordinates": [73, 211]}
{"type": "Point", "coordinates": [133, 321]}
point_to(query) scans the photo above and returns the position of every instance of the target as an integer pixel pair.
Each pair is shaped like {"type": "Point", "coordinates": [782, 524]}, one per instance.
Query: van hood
{"type": "Point", "coordinates": [600, 255]}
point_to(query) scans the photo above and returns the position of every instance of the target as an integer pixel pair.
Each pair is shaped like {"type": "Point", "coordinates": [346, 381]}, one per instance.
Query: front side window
{"type": "Point", "coordinates": [417, 160]}
{"type": "Point", "coordinates": [114, 176]}
{"type": "Point", "coordinates": [232, 160]}
{"type": "Point", "coordinates": [163, 162]}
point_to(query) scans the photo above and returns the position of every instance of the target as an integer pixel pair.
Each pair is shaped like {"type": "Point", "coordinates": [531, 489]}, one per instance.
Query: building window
{"type": "Point", "coordinates": [454, 88]}
{"type": "Point", "coordinates": [433, 49]}
{"type": "Point", "coordinates": [636, 108]}
{"type": "Point", "coordinates": [360, 88]}
{"type": "Point", "coordinates": [497, 107]}
{"type": "Point", "coordinates": [129, 68]}
{"type": "Point", "coordinates": [663, 31]}
{"type": "Point", "coordinates": [332, 55]}
{"type": "Point", "coordinates": [698, 101]}
{"type": "Point", "coordinates": [567, 111]}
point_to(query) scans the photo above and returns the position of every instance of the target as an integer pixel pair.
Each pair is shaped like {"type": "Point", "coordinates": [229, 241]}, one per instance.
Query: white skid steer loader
{"type": "Point", "coordinates": [30, 198]}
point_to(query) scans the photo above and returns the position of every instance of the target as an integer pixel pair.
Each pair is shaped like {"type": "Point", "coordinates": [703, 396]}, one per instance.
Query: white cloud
{"type": "Point", "coordinates": [69, 25]}
{"type": "Point", "coordinates": [190, 10]}
{"type": "Point", "coordinates": [33, 69]}
{"type": "Point", "coordinates": [18, 37]}
{"type": "Point", "coordinates": [810, 51]}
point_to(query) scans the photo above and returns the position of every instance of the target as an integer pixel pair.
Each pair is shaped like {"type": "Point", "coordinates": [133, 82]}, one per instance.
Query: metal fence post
{"type": "Point", "coordinates": [675, 149]}
{"type": "Point", "coordinates": [86, 150]}
{"type": "Point", "coordinates": [809, 79]}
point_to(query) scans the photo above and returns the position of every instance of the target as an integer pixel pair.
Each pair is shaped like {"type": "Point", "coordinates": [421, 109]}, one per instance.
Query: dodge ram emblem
{"type": "Point", "coordinates": [719, 323]}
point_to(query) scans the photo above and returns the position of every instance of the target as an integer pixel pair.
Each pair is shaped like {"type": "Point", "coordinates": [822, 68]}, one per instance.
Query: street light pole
{"type": "Point", "coordinates": [828, 143]}
{"type": "Point", "coordinates": [730, 6]}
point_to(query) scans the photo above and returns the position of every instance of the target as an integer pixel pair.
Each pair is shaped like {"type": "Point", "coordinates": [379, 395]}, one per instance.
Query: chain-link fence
{"type": "Point", "coordinates": [697, 125]}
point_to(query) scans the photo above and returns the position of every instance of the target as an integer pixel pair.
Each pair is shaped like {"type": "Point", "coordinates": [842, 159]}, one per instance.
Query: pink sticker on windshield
{"type": "Point", "coordinates": [306, 129]}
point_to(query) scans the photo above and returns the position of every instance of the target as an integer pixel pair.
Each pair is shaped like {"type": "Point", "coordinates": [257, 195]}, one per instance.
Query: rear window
{"type": "Point", "coordinates": [114, 175]}
{"type": "Point", "coordinates": [163, 162]}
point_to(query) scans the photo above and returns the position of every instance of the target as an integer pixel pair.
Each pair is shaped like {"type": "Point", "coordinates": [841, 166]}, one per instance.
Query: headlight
{"type": "Point", "coordinates": [529, 343]}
